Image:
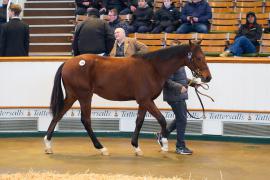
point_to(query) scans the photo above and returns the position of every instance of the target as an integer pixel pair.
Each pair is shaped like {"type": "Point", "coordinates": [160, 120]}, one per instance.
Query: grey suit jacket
{"type": "Point", "coordinates": [172, 87]}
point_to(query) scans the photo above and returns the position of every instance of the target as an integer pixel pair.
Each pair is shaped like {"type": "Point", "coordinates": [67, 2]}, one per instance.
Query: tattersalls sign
{"type": "Point", "coordinates": [127, 117]}
{"type": "Point", "coordinates": [107, 113]}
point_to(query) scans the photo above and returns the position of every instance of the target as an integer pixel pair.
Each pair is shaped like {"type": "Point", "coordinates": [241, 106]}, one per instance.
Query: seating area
{"type": "Point", "coordinates": [227, 17]}
{"type": "Point", "coordinates": [212, 44]}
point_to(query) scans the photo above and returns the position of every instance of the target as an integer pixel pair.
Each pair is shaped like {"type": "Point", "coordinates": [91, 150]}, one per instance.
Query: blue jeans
{"type": "Point", "coordinates": [197, 27]}
{"type": "Point", "coordinates": [179, 123]}
{"type": "Point", "coordinates": [241, 46]}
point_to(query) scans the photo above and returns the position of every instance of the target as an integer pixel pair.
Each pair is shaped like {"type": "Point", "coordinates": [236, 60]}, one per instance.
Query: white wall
{"type": "Point", "coordinates": [234, 86]}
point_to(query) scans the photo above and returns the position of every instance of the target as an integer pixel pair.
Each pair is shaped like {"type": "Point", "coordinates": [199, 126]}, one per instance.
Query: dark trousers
{"type": "Point", "coordinates": [139, 29]}
{"type": "Point", "coordinates": [159, 29]}
{"type": "Point", "coordinates": [179, 123]}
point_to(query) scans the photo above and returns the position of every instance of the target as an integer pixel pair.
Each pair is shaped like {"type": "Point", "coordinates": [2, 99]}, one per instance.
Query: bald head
{"type": "Point", "coordinates": [119, 34]}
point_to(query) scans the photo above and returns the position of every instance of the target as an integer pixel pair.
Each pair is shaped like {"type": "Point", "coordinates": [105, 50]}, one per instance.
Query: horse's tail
{"type": "Point", "coordinates": [57, 97]}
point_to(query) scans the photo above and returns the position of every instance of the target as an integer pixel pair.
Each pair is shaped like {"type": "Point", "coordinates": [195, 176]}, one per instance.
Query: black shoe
{"type": "Point", "coordinates": [183, 150]}
{"type": "Point", "coordinates": [159, 136]}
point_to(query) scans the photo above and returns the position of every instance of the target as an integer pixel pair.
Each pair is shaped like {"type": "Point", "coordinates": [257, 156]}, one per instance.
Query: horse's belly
{"type": "Point", "coordinates": [121, 94]}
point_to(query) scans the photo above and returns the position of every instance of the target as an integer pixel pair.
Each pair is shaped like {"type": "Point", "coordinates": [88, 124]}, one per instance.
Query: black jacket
{"type": "Point", "coordinates": [167, 17]}
{"type": "Point", "coordinates": [142, 16]}
{"type": "Point", "coordinates": [3, 14]}
{"type": "Point", "coordinates": [252, 31]}
{"type": "Point", "coordinates": [93, 36]}
{"type": "Point", "coordinates": [135, 3]}
{"type": "Point", "coordinates": [14, 38]}
{"type": "Point", "coordinates": [117, 4]}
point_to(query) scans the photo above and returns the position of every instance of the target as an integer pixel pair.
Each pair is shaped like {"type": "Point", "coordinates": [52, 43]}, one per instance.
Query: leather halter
{"type": "Point", "coordinates": [196, 73]}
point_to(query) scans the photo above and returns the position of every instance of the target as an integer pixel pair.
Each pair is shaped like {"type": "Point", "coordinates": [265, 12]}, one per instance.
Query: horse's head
{"type": "Point", "coordinates": [197, 63]}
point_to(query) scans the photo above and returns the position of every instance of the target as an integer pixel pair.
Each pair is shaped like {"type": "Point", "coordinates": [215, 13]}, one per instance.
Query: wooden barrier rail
{"type": "Point", "coordinates": [239, 60]}
{"type": "Point", "coordinates": [136, 108]}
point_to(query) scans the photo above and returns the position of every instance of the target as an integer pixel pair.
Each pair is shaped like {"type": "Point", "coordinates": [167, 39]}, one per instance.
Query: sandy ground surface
{"type": "Point", "coordinates": [211, 160]}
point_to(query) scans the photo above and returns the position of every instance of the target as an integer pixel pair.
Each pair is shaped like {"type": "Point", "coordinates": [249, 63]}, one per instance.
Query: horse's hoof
{"type": "Point", "coordinates": [104, 151]}
{"type": "Point", "coordinates": [164, 149]}
{"type": "Point", "coordinates": [138, 152]}
{"type": "Point", "coordinates": [48, 151]}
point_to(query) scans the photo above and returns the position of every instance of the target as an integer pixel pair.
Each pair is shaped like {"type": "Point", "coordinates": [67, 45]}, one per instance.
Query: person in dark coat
{"type": "Point", "coordinates": [113, 4]}
{"type": "Point", "coordinates": [141, 19]}
{"type": "Point", "coordinates": [195, 17]}
{"type": "Point", "coordinates": [93, 36]}
{"type": "Point", "coordinates": [3, 12]}
{"type": "Point", "coordinates": [14, 38]}
{"type": "Point", "coordinates": [166, 18]}
{"type": "Point", "coordinates": [83, 5]}
{"type": "Point", "coordinates": [132, 6]}
{"type": "Point", "coordinates": [115, 22]}
{"type": "Point", "coordinates": [246, 40]}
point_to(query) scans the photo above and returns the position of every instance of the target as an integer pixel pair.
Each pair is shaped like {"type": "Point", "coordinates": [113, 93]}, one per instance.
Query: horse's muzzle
{"type": "Point", "coordinates": [207, 79]}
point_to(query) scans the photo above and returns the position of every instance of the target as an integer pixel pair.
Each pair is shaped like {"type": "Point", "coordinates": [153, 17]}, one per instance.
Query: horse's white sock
{"type": "Point", "coordinates": [165, 143]}
{"type": "Point", "coordinates": [47, 143]}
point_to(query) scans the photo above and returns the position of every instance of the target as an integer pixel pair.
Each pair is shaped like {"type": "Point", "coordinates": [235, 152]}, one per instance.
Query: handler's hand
{"type": "Point", "coordinates": [183, 89]}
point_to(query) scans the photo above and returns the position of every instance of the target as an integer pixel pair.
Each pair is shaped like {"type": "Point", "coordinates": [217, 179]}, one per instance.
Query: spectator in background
{"type": "Point", "coordinates": [14, 38]}
{"type": "Point", "coordinates": [113, 4]}
{"type": "Point", "coordinates": [132, 6]}
{"type": "Point", "coordinates": [115, 22]}
{"type": "Point", "coordinates": [125, 46]}
{"type": "Point", "coordinates": [83, 5]}
{"type": "Point", "coordinates": [93, 36]}
{"type": "Point", "coordinates": [246, 40]}
{"type": "Point", "coordinates": [141, 19]}
{"type": "Point", "coordinates": [195, 17]}
{"type": "Point", "coordinates": [166, 18]}
{"type": "Point", "coordinates": [3, 12]}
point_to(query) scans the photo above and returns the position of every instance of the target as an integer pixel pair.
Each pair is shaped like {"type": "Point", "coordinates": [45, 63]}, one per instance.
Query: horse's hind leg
{"type": "Point", "coordinates": [86, 120]}
{"type": "Point", "coordinates": [68, 102]}
{"type": "Point", "coordinates": [139, 123]}
{"type": "Point", "coordinates": [152, 108]}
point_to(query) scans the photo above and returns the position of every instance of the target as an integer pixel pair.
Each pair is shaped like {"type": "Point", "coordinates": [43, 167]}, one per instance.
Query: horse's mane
{"type": "Point", "coordinates": [165, 53]}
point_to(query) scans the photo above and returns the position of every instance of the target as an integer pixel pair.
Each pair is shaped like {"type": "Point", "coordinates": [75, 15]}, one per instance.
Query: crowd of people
{"type": "Point", "coordinates": [194, 17]}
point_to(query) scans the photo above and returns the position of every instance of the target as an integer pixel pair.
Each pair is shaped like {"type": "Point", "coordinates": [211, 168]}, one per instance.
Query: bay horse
{"type": "Point", "coordinates": [140, 77]}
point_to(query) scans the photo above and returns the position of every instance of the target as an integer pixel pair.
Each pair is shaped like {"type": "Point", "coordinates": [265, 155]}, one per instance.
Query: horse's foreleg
{"type": "Point", "coordinates": [139, 123]}
{"type": "Point", "coordinates": [68, 102]}
{"type": "Point", "coordinates": [152, 109]}
{"type": "Point", "coordinates": [86, 120]}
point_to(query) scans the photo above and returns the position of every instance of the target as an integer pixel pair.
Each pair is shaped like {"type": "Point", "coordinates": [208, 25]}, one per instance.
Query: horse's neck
{"type": "Point", "coordinates": [167, 67]}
